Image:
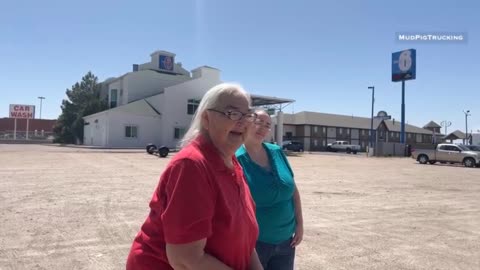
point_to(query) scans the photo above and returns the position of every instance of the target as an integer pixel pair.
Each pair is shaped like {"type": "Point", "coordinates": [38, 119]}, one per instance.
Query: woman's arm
{"type": "Point", "coordinates": [192, 256]}
{"type": "Point", "coordinates": [298, 237]}
{"type": "Point", "coordinates": [255, 263]}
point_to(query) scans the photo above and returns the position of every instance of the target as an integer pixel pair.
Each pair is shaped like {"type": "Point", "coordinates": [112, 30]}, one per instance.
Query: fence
{"type": "Point", "coordinates": [34, 135]}
{"type": "Point", "coordinates": [389, 149]}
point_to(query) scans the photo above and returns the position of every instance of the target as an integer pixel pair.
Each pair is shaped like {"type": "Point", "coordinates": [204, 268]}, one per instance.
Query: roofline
{"type": "Point", "coordinates": [204, 66]}
{"type": "Point", "coordinates": [149, 69]}
{"type": "Point", "coordinates": [275, 100]}
{"type": "Point", "coordinates": [376, 122]}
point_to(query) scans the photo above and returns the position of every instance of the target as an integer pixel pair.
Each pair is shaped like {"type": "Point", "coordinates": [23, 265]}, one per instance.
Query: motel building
{"type": "Point", "coordinates": [155, 103]}
{"type": "Point", "coordinates": [316, 130]}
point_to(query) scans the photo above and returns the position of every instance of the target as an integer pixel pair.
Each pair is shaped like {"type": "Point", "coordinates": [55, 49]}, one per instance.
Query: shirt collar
{"type": "Point", "coordinates": [212, 153]}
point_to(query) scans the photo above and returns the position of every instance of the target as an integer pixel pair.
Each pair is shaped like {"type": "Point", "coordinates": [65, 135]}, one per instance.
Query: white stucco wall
{"type": "Point", "coordinates": [175, 106]}
{"type": "Point", "coordinates": [148, 129]}
{"type": "Point", "coordinates": [147, 83]}
{"type": "Point", "coordinates": [118, 84]}
{"type": "Point", "coordinates": [95, 133]}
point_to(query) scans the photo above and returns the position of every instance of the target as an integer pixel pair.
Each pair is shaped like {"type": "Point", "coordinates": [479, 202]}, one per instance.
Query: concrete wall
{"type": "Point", "coordinates": [95, 133]}
{"type": "Point", "coordinates": [118, 84]}
{"type": "Point", "coordinates": [354, 134]}
{"type": "Point", "coordinates": [148, 130]}
{"type": "Point", "coordinates": [476, 138]}
{"type": "Point", "coordinates": [331, 132]}
{"type": "Point", "coordinates": [290, 128]}
{"type": "Point", "coordinates": [175, 107]}
{"type": "Point", "coordinates": [147, 83]}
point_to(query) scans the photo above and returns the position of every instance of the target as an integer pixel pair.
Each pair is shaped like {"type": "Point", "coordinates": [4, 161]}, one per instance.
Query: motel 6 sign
{"type": "Point", "coordinates": [404, 65]}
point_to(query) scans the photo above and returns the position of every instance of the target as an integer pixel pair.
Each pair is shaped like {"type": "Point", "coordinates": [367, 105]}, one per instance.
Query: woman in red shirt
{"type": "Point", "coordinates": [202, 214]}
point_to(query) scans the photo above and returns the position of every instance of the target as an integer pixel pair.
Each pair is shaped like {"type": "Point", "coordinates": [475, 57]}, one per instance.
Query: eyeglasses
{"type": "Point", "coordinates": [236, 115]}
{"type": "Point", "coordinates": [263, 124]}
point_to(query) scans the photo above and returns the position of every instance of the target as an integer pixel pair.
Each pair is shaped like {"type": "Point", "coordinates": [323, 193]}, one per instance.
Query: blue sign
{"type": "Point", "coordinates": [166, 62]}
{"type": "Point", "coordinates": [404, 65]}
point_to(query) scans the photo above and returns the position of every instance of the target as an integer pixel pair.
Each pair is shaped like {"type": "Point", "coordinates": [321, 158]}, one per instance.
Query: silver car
{"type": "Point", "coordinates": [450, 153]}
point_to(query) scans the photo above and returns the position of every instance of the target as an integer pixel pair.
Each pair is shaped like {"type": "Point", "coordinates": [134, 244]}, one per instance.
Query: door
{"type": "Point", "coordinates": [449, 153]}
{"type": "Point", "coordinates": [456, 154]}
{"type": "Point", "coordinates": [443, 153]}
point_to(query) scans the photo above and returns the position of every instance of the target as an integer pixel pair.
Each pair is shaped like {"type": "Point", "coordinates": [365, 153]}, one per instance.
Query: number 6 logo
{"type": "Point", "coordinates": [405, 61]}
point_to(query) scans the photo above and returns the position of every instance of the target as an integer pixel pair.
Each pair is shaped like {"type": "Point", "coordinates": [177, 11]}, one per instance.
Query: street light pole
{"type": "Point", "coordinates": [446, 124]}
{"type": "Point", "coordinates": [41, 99]}
{"type": "Point", "coordinates": [467, 114]}
{"type": "Point", "coordinates": [371, 120]}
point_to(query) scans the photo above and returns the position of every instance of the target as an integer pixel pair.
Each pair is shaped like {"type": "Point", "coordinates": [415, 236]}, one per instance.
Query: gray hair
{"type": "Point", "coordinates": [210, 101]}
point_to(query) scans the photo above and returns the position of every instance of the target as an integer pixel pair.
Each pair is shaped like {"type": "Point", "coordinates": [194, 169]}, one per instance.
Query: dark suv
{"type": "Point", "coordinates": [293, 146]}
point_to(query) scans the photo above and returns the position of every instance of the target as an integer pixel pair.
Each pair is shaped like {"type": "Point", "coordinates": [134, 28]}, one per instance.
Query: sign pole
{"type": "Point", "coordinates": [15, 129]}
{"type": "Point", "coordinates": [27, 130]}
{"type": "Point", "coordinates": [402, 136]}
{"type": "Point", "coordinates": [403, 68]}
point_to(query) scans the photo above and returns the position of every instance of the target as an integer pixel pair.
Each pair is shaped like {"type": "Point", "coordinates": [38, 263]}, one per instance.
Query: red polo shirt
{"type": "Point", "coordinates": [198, 197]}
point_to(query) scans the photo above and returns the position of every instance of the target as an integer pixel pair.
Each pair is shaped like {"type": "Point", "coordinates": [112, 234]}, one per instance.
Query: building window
{"type": "Point", "coordinates": [113, 98]}
{"type": "Point", "coordinates": [340, 131]}
{"type": "Point", "coordinates": [131, 132]}
{"type": "Point", "coordinates": [289, 135]}
{"type": "Point", "coordinates": [315, 143]}
{"type": "Point", "coordinates": [348, 131]}
{"type": "Point", "coordinates": [192, 106]}
{"type": "Point", "coordinates": [324, 130]}
{"type": "Point", "coordinates": [178, 133]}
{"type": "Point", "coordinates": [315, 129]}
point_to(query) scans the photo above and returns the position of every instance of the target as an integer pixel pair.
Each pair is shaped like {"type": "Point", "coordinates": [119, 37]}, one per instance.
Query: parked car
{"type": "Point", "coordinates": [344, 147]}
{"type": "Point", "coordinates": [293, 146]}
{"type": "Point", "coordinates": [474, 148]}
{"type": "Point", "coordinates": [444, 153]}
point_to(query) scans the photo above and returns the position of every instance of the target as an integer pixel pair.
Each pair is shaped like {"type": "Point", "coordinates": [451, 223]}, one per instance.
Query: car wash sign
{"type": "Point", "coordinates": [22, 111]}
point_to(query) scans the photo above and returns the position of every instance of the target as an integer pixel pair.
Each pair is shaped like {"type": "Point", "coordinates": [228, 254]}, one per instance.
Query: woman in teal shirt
{"type": "Point", "coordinates": [278, 206]}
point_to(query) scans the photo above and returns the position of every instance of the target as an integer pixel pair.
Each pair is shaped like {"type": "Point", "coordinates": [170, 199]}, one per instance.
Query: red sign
{"type": "Point", "coordinates": [22, 111]}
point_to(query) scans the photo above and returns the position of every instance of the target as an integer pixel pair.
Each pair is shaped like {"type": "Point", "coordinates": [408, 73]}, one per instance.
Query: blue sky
{"type": "Point", "coordinates": [323, 54]}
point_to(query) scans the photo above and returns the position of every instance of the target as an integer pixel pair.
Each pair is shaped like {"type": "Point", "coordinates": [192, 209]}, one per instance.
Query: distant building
{"type": "Point", "coordinates": [154, 103]}
{"type": "Point", "coordinates": [315, 130]}
{"type": "Point", "coordinates": [37, 129]}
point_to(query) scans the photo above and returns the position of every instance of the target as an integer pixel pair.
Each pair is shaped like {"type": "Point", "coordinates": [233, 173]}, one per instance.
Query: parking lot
{"type": "Point", "coordinates": [70, 208]}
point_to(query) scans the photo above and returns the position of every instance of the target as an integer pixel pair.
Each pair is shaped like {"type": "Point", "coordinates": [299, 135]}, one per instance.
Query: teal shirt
{"type": "Point", "coordinates": [272, 192]}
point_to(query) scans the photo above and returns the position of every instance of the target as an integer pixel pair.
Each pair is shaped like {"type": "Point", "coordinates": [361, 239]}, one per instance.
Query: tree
{"type": "Point", "coordinates": [83, 99]}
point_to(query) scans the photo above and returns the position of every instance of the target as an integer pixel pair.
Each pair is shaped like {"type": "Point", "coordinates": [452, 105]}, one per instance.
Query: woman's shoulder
{"type": "Point", "coordinates": [190, 154]}
{"type": "Point", "coordinates": [241, 151]}
{"type": "Point", "coordinates": [272, 147]}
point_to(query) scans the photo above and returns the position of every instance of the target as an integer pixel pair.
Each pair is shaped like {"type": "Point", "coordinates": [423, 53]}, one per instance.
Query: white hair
{"type": "Point", "coordinates": [210, 101]}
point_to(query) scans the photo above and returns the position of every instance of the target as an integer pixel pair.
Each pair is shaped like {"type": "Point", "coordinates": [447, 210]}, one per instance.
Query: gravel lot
{"type": "Point", "coordinates": [74, 208]}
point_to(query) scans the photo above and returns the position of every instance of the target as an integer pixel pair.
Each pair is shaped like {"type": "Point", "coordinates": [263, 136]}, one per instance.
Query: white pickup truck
{"type": "Point", "coordinates": [343, 146]}
{"type": "Point", "coordinates": [445, 152]}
